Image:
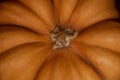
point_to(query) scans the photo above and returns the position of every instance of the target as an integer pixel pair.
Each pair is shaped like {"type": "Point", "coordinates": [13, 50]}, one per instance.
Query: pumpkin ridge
{"type": "Point", "coordinates": [106, 20]}
{"type": "Point", "coordinates": [56, 12]}
{"type": "Point", "coordinates": [88, 62]}
{"type": "Point", "coordinates": [24, 11]}
{"type": "Point", "coordinates": [51, 62]}
{"type": "Point", "coordinates": [110, 40]}
{"type": "Point", "coordinates": [34, 56]}
{"type": "Point", "coordinates": [20, 46]}
{"type": "Point", "coordinates": [22, 27]}
{"type": "Point", "coordinates": [74, 8]}
{"type": "Point", "coordinates": [53, 8]}
{"type": "Point", "coordinates": [83, 43]}
{"type": "Point", "coordinates": [83, 17]}
{"type": "Point", "coordinates": [78, 2]}
{"type": "Point", "coordinates": [23, 36]}
{"type": "Point", "coordinates": [98, 64]}
{"type": "Point", "coordinates": [101, 47]}
{"type": "Point", "coordinates": [44, 62]}
{"type": "Point", "coordinates": [49, 19]}
{"type": "Point", "coordinates": [27, 8]}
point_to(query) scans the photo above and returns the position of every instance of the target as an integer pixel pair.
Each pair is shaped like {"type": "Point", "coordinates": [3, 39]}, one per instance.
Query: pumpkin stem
{"type": "Point", "coordinates": [61, 37]}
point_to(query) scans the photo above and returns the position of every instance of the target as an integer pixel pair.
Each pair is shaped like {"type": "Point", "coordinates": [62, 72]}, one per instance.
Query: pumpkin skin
{"type": "Point", "coordinates": [26, 50]}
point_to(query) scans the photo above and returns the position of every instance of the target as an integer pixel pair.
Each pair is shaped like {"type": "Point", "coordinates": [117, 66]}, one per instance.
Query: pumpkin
{"type": "Point", "coordinates": [59, 40]}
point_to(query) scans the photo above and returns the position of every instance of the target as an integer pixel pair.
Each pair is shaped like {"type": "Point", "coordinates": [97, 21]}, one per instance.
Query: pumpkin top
{"type": "Point", "coordinates": [59, 40]}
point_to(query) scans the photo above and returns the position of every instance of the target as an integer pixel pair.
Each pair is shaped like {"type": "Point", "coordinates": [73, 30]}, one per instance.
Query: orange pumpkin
{"type": "Point", "coordinates": [59, 40]}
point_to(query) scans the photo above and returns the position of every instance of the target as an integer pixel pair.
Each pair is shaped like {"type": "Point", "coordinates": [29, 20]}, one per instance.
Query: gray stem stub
{"type": "Point", "coordinates": [61, 37]}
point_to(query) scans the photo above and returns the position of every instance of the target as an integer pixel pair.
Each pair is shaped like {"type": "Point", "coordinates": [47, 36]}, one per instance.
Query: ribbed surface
{"type": "Point", "coordinates": [25, 47]}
